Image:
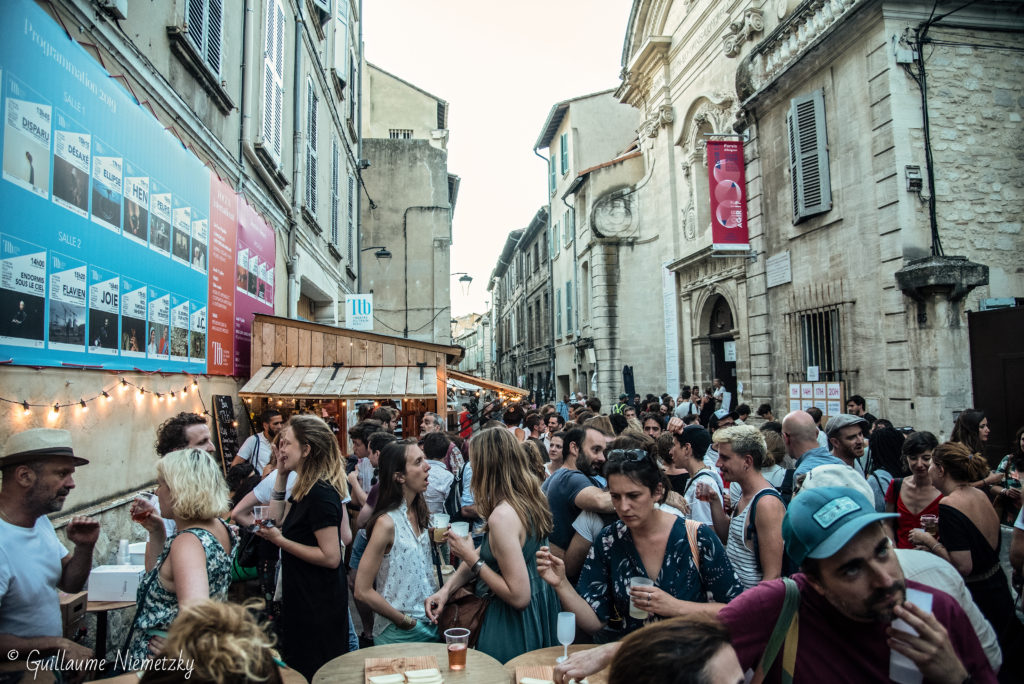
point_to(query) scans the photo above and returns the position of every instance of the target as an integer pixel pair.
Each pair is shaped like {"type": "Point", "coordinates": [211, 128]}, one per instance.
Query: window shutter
{"type": "Point", "coordinates": [351, 218]}
{"type": "Point", "coordinates": [311, 160]}
{"type": "Point", "coordinates": [569, 326]}
{"type": "Point", "coordinates": [335, 179]}
{"type": "Point", "coordinates": [213, 35]}
{"type": "Point", "coordinates": [558, 312]}
{"type": "Point", "coordinates": [195, 24]}
{"type": "Point", "coordinates": [564, 149]}
{"type": "Point", "coordinates": [569, 228]}
{"type": "Point", "coordinates": [808, 156]}
{"type": "Point", "coordinates": [551, 174]}
{"type": "Point", "coordinates": [273, 77]}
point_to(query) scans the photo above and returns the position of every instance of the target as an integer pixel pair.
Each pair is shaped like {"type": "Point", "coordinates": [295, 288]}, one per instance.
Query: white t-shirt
{"type": "Point", "coordinates": [590, 524]}
{"type": "Point", "coordinates": [701, 510]}
{"type": "Point", "coordinates": [261, 445]}
{"type": "Point", "coordinates": [364, 473]}
{"type": "Point", "coordinates": [439, 483]}
{"type": "Point", "coordinates": [30, 568]}
{"type": "Point", "coordinates": [265, 488]}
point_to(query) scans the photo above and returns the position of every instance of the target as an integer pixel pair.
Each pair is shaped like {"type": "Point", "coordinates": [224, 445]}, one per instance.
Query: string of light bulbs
{"type": "Point", "coordinates": [105, 395]}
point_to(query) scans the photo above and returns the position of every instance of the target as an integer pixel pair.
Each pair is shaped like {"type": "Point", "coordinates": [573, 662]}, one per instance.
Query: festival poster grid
{"type": "Point", "coordinates": [68, 297]}
{"type": "Point", "coordinates": [133, 318]}
{"type": "Point", "coordinates": [104, 310]}
{"type": "Point", "coordinates": [22, 292]}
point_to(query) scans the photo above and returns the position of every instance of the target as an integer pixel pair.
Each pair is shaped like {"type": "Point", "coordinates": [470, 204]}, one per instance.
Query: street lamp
{"type": "Point", "coordinates": [381, 253]}
{"type": "Point", "coordinates": [464, 282]}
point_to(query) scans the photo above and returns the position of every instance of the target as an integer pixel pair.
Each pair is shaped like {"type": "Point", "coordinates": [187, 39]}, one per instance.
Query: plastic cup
{"type": "Point", "coordinates": [439, 523]}
{"type": "Point", "coordinates": [457, 641]}
{"type": "Point", "coordinates": [930, 524]}
{"type": "Point", "coordinates": [261, 514]}
{"type": "Point", "coordinates": [635, 612]}
{"type": "Point", "coordinates": [460, 529]}
{"type": "Point", "coordinates": [148, 498]}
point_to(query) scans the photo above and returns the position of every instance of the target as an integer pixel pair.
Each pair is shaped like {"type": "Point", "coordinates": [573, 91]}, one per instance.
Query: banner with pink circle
{"type": "Point", "coordinates": [728, 189]}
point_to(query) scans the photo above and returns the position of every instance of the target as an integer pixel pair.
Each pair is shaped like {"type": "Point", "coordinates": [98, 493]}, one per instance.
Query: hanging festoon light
{"type": "Point", "coordinates": [83, 404]}
{"type": "Point", "coordinates": [28, 409]}
{"type": "Point", "coordinates": [106, 395]}
{"type": "Point", "coordinates": [56, 409]}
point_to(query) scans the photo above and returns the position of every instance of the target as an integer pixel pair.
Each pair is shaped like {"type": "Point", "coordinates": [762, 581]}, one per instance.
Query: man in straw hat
{"type": "Point", "coordinates": [37, 467]}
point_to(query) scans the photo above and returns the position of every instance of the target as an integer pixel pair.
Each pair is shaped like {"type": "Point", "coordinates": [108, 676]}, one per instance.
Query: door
{"type": "Point", "coordinates": [997, 373]}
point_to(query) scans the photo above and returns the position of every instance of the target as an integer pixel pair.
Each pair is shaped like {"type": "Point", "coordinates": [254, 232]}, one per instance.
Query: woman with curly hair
{"type": "Point", "coordinates": [1005, 481]}
{"type": "Point", "coordinates": [523, 612]}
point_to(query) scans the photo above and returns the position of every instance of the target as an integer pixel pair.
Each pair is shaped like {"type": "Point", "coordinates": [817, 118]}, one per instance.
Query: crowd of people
{"type": "Point", "coordinates": [687, 539]}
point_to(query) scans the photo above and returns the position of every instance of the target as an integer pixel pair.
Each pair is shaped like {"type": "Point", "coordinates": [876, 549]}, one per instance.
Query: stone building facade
{"type": "Point", "coordinates": [411, 198]}
{"type": "Point", "coordinates": [506, 289]}
{"type": "Point", "coordinates": [579, 134]}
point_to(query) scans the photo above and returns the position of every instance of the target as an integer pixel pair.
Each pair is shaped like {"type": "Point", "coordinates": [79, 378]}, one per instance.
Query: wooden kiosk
{"type": "Point", "coordinates": [304, 367]}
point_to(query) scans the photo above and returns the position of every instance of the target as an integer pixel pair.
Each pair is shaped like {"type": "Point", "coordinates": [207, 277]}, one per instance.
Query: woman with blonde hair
{"type": "Point", "coordinates": [195, 563]}
{"type": "Point", "coordinates": [535, 459]}
{"type": "Point", "coordinates": [523, 610]}
{"type": "Point", "coordinates": [314, 605]}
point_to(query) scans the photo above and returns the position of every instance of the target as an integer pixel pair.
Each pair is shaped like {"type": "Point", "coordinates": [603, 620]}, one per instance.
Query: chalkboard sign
{"type": "Point", "coordinates": [227, 435]}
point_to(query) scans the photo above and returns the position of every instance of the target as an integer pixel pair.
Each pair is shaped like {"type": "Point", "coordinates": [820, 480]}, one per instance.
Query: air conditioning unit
{"type": "Point", "coordinates": [115, 8]}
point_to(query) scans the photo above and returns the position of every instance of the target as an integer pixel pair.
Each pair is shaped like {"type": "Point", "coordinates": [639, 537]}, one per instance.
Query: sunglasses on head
{"type": "Point", "coordinates": [628, 455]}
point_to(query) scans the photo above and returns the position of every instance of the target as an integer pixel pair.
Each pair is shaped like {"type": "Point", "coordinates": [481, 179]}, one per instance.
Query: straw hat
{"type": "Point", "coordinates": [36, 444]}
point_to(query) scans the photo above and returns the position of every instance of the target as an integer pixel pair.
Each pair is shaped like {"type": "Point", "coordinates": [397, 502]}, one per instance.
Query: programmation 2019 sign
{"type": "Point", "coordinates": [118, 248]}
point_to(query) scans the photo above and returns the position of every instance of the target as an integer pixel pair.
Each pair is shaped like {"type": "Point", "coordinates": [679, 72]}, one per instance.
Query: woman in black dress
{"type": "Point", "coordinates": [314, 606]}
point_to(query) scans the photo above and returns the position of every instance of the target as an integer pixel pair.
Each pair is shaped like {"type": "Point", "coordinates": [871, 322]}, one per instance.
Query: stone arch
{"type": "Point", "coordinates": [704, 307]}
{"type": "Point", "coordinates": [647, 19]}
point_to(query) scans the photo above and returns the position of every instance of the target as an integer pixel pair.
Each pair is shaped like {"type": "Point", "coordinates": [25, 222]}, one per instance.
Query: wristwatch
{"type": "Point", "coordinates": [476, 567]}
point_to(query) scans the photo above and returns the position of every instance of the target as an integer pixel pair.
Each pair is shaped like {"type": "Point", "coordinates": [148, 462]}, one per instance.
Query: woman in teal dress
{"type": "Point", "coordinates": [523, 612]}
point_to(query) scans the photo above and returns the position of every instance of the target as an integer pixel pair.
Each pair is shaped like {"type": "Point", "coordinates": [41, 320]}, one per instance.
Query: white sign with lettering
{"type": "Point", "coordinates": [359, 311]}
{"type": "Point", "coordinates": [777, 270]}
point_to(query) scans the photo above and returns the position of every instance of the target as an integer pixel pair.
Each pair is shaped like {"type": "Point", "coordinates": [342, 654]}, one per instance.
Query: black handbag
{"type": "Point", "coordinates": [248, 554]}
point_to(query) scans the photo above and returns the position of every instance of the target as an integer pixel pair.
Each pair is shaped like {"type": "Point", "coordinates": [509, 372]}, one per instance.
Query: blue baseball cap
{"type": "Point", "coordinates": [821, 521]}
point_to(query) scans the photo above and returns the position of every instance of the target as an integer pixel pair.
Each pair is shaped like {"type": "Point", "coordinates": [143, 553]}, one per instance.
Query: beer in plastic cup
{"type": "Point", "coordinates": [460, 529]}
{"type": "Point", "coordinates": [439, 523]}
{"type": "Point", "coordinates": [635, 612]}
{"type": "Point", "coordinates": [930, 524]}
{"type": "Point", "coordinates": [457, 640]}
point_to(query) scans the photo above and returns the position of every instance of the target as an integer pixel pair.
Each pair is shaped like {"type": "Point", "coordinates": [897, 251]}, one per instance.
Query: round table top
{"type": "Point", "coordinates": [546, 656]}
{"type": "Point", "coordinates": [102, 606]}
{"type": "Point", "coordinates": [348, 669]}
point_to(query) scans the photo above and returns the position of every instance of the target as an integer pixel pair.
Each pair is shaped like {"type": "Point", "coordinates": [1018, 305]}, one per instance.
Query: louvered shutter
{"type": "Point", "coordinates": [569, 323]}
{"type": "Point", "coordinates": [311, 157]}
{"type": "Point", "coordinates": [273, 80]}
{"type": "Point", "coordinates": [194, 23]}
{"type": "Point", "coordinates": [213, 34]}
{"type": "Point", "coordinates": [335, 179]}
{"type": "Point", "coordinates": [351, 218]}
{"type": "Point", "coordinates": [564, 149]}
{"type": "Point", "coordinates": [808, 156]}
{"type": "Point", "coordinates": [551, 174]}
{"type": "Point", "coordinates": [558, 312]}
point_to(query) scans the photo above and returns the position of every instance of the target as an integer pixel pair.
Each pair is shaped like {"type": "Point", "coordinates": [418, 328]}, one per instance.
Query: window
{"type": "Point", "coordinates": [585, 293]}
{"type": "Point", "coordinates": [353, 90]}
{"type": "Point", "coordinates": [335, 180]}
{"type": "Point", "coordinates": [564, 149]}
{"type": "Point", "coordinates": [400, 133]}
{"type": "Point", "coordinates": [569, 325]}
{"type": "Point", "coordinates": [558, 312]}
{"type": "Point", "coordinates": [808, 156]}
{"type": "Point", "coordinates": [341, 41]}
{"type": "Point", "coordinates": [312, 104]}
{"type": "Point", "coordinates": [570, 226]}
{"type": "Point", "coordinates": [551, 174]}
{"type": "Point", "coordinates": [557, 231]}
{"type": "Point", "coordinates": [273, 80]}
{"type": "Point", "coordinates": [203, 21]}
{"type": "Point", "coordinates": [536, 255]}
{"type": "Point", "coordinates": [442, 115]}
{"type": "Point", "coordinates": [819, 341]}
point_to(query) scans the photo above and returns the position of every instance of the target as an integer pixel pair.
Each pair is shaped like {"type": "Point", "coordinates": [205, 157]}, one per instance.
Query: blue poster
{"type": "Point", "coordinates": [106, 232]}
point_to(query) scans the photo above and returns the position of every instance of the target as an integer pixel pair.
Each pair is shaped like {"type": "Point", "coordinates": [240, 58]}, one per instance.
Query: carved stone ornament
{"type": "Point", "coordinates": [741, 31]}
{"type": "Point", "coordinates": [662, 117]}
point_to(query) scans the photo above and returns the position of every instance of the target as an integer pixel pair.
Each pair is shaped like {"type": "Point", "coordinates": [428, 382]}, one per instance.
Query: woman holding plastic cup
{"type": "Point", "coordinates": [523, 611]}
{"type": "Point", "coordinates": [395, 574]}
{"type": "Point", "coordinates": [643, 567]}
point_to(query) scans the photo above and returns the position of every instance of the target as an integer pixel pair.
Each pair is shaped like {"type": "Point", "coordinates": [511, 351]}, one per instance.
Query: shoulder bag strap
{"type": "Point", "coordinates": [691, 534]}
{"type": "Point", "coordinates": [144, 594]}
{"type": "Point", "coordinates": [786, 627]}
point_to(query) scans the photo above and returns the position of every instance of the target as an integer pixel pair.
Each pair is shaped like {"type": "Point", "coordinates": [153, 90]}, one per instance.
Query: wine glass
{"type": "Point", "coordinates": [566, 634]}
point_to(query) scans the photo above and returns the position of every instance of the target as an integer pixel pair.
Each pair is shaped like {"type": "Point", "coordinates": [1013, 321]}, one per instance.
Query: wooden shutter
{"type": "Point", "coordinates": [214, 16]}
{"type": "Point", "coordinates": [558, 312]}
{"type": "Point", "coordinates": [311, 158]}
{"type": "Point", "coordinates": [335, 179]}
{"type": "Point", "coordinates": [564, 149]}
{"type": "Point", "coordinates": [273, 80]}
{"type": "Point", "coordinates": [808, 156]}
{"type": "Point", "coordinates": [551, 174]}
{"type": "Point", "coordinates": [351, 218]}
{"type": "Point", "coordinates": [195, 23]}
{"type": "Point", "coordinates": [569, 325]}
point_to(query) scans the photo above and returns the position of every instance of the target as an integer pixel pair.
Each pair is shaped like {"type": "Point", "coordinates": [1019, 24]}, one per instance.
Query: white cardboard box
{"type": "Point", "coordinates": [137, 552]}
{"type": "Point", "coordinates": [115, 582]}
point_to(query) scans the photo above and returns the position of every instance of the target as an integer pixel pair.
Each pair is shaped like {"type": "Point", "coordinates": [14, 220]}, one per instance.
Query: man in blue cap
{"type": "Point", "coordinates": [850, 589]}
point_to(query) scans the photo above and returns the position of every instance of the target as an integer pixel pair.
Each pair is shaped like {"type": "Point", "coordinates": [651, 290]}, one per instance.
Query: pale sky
{"type": "Point", "coordinates": [501, 67]}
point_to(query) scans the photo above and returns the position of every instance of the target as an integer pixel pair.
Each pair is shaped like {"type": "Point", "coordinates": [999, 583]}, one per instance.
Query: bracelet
{"type": "Point", "coordinates": [477, 566]}
{"type": "Point", "coordinates": [935, 546]}
{"type": "Point", "coordinates": [277, 496]}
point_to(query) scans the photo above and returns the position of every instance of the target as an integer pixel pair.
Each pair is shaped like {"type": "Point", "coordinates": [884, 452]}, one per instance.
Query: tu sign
{"type": "Point", "coordinates": [359, 311]}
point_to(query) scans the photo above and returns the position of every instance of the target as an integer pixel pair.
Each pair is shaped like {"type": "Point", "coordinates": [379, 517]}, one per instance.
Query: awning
{"type": "Point", "coordinates": [328, 382]}
{"type": "Point", "coordinates": [461, 380]}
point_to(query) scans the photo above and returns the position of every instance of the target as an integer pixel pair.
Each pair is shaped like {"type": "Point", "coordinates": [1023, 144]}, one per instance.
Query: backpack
{"type": "Point", "coordinates": [786, 489]}
{"type": "Point", "coordinates": [453, 502]}
{"type": "Point", "coordinates": [788, 566]}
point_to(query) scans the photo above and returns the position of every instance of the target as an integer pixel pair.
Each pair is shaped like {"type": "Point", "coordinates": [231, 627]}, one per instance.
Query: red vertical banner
{"type": "Point", "coordinates": [223, 229]}
{"type": "Point", "coordinates": [728, 189]}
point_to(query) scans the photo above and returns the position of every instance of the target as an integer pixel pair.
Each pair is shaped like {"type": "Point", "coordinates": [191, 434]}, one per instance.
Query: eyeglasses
{"type": "Point", "coordinates": [628, 455]}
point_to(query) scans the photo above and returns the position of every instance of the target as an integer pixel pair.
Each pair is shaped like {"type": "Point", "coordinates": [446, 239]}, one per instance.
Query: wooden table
{"type": "Point", "coordinates": [348, 669]}
{"type": "Point", "coordinates": [546, 656]}
{"type": "Point", "coordinates": [101, 608]}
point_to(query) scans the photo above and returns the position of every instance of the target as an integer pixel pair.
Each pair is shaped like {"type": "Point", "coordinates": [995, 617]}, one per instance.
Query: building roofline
{"type": "Point", "coordinates": [632, 153]}
{"type": "Point", "coordinates": [404, 82]}
{"type": "Point", "coordinates": [557, 113]}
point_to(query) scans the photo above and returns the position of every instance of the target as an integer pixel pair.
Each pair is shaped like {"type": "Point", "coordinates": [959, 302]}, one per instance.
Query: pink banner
{"type": "Point", "coordinates": [223, 220]}
{"type": "Point", "coordinates": [728, 189]}
{"type": "Point", "coordinates": [256, 256]}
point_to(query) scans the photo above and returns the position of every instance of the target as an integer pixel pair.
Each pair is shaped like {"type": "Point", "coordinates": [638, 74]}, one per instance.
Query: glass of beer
{"type": "Point", "coordinates": [261, 514]}
{"type": "Point", "coordinates": [457, 640]}
{"type": "Point", "coordinates": [460, 529]}
{"type": "Point", "coordinates": [634, 611]}
{"type": "Point", "coordinates": [439, 523]}
{"type": "Point", "coordinates": [145, 505]}
{"type": "Point", "coordinates": [930, 524]}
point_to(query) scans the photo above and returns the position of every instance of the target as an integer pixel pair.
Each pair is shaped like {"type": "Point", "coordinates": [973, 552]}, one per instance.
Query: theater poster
{"type": "Point", "coordinates": [728, 188]}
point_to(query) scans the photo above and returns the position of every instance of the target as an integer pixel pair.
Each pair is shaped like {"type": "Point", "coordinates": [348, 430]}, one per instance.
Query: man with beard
{"type": "Point", "coordinates": [573, 487]}
{"type": "Point", "coordinates": [845, 434]}
{"type": "Point", "coordinates": [257, 449]}
{"type": "Point", "coordinates": [37, 467]}
{"type": "Point", "coordinates": [850, 589]}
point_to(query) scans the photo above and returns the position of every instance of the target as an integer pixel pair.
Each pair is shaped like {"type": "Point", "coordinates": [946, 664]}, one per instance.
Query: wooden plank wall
{"type": "Point", "coordinates": [290, 346]}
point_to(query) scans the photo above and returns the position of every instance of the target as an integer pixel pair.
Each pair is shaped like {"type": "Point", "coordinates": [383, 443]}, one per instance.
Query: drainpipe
{"type": "Point", "coordinates": [354, 92]}
{"type": "Point", "coordinates": [551, 286]}
{"type": "Point", "coordinates": [405, 257]}
{"type": "Point", "coordinates": [241, 96]}
{"type": "Point", "coordinates": [575, 292]}
{"type": "Point", "coordinates": [292, 259]}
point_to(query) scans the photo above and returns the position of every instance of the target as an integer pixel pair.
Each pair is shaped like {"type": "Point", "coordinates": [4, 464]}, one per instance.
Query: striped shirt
{"type": "Point", "coordinates": [746, 564]}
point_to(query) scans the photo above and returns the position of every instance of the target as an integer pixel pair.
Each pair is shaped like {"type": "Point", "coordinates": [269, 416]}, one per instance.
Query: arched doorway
{"type": "Point", "coordinates": [723, 344]}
